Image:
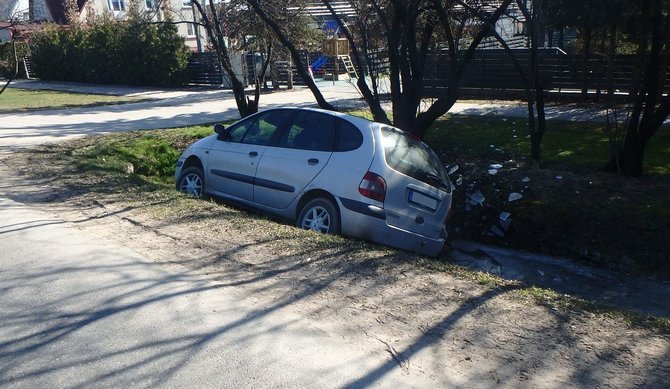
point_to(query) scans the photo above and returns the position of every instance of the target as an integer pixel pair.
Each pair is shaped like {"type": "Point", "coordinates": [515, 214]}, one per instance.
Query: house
{"type": "Point", "coordinates": [182, 12]}
{"type": "Point", "coordinates": [36, 11]}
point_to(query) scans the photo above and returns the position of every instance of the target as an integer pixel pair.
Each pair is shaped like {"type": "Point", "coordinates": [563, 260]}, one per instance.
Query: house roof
{"type": "Point", "coordinates": [57, 9]}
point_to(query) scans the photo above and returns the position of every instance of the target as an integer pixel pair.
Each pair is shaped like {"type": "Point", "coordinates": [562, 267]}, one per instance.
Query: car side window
{"type": "Point", "coordinates": [310, 131]}
{"type": "Point", "coordinates": [348, 136]}
{"type": "Point", "coordinates": [238, 130]}
{"type": "Point", "coordinates": [265, 127]}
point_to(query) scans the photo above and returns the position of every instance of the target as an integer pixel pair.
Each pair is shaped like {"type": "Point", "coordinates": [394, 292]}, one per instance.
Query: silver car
{"type": "Point", "coordinates": [327, 171]}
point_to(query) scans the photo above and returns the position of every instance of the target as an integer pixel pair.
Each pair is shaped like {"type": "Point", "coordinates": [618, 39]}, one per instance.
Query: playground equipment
{"type": "Point", "coordinates": [321, 61]}
{"type": "Point", "coordinates": [338, 49]}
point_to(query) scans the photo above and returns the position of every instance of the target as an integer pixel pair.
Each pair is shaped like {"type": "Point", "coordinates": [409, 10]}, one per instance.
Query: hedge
{"type": "Point", "coordinates": [112, 52]}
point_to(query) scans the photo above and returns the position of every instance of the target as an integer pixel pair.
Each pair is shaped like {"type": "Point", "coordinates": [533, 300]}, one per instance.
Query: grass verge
{"type": "Point", "coordinates": [568, 208]}
{"type": "Point", "coordinates": [16, 99]}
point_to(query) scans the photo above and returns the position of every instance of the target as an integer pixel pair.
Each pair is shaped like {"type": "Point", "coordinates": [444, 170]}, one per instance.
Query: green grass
{"type": "Point", "coordinates": [152, 154]}
{"type": "Point", "coordinates": [566, 145]}
{"type": "Point", "coordinates": [14, 99]}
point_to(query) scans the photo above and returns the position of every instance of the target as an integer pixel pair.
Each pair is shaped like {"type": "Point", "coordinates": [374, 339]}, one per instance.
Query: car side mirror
{"type": "Point", "coordinates": [223, 132]}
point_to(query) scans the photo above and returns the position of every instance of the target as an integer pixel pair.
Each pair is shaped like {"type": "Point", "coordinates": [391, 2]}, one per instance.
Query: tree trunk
{"type": "Point", "coordinates": [289, 73]}
{"type": "Point", "coordinates": [536, 139]}
{"type": "Point", "coordinates": [630, 159]}
{"type": "Point", "coordinates": [16, 68]}
{"type": "Point", "coordinates": [651, 108]}
{"type": "Point", "coordinates": [586, 50]}
{"type": "Point", "coordinates": [273, 74]}
{"type": "Point", "coordinates": [216, 35]}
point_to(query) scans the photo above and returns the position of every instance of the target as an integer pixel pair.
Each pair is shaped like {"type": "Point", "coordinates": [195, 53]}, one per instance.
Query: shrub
{"type": "Point", "coordinates": [109, 52]}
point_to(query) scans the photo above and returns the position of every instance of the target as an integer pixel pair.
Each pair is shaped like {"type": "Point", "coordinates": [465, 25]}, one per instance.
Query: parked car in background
{"type": "Point", "coordinates": [328, 172]}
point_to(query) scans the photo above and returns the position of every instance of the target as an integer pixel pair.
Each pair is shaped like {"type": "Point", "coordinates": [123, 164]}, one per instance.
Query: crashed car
{"type": "Point", "coordinates": [328, 172]}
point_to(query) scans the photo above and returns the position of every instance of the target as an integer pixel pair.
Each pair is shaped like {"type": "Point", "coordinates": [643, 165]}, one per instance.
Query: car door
{"type": "Point", "coordinates": [233, 162]}
{"type": "Point", "coordinates": [303, 150]}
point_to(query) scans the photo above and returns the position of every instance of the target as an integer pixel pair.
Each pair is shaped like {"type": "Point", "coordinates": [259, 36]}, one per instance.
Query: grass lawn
{"type": "Point", "coordinates": [575, 146]}
{"type": "Point", "coordinates": [14, 99]}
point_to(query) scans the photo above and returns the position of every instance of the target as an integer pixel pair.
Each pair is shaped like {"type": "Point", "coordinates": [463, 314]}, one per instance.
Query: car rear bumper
{"type": "Point", "coordinates": [369, 226]}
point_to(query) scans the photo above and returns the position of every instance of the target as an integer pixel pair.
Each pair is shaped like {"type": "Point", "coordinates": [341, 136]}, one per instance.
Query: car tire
{"type": "Point", "coordinates": [320, 215]}
{"type": "Point", "coordinates": [192, 182]}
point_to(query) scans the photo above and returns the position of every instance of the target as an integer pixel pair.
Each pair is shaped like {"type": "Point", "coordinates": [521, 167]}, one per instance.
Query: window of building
{"type": "Point", "coordinates": [117, 5]}
{"type": "Point", "coordinates": [190, 30]}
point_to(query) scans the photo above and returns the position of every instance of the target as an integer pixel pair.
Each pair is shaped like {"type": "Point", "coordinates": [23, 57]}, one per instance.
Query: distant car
{"type": "Point", "coordinates": [328, 172]}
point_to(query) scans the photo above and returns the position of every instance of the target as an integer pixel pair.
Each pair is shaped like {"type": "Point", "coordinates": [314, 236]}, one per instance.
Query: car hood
{"type": "Point", "coordinates": [204, 143]}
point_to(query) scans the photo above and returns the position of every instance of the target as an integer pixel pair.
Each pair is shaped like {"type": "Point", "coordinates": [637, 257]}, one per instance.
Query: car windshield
{"type": "Point", "coordinates": [414, 158]}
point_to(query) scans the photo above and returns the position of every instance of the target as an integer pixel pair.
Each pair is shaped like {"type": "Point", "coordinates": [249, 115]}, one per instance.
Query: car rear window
{"type": "Point", "coordinates": [413, 158]}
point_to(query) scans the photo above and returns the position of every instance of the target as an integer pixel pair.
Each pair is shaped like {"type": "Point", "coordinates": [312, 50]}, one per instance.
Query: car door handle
{"type": "Point", "coordinates": [253, 154]}
{"type": "Point", "coordinates": [312, 161]}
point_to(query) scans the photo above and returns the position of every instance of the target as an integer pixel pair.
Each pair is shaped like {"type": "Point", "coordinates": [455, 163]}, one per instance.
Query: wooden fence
{"type": "Point", "coordinates": [495, 70]}
{"type": "Point", "coordinates": [489, 70]}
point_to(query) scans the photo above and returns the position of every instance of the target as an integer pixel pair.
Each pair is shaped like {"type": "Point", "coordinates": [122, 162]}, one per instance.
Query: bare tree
{"type": "Point", "coordinates": [403, 33]}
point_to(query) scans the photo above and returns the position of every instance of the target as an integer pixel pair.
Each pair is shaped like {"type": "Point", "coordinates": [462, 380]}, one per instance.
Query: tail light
{"type": "Point", "coordinates": [373, 186]}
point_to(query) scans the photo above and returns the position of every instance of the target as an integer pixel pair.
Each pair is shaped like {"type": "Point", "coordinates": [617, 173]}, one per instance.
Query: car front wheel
{"type": "Point", "coordinates": [320, 215]}
{"type": "Point", "coordinates": [192, 182]}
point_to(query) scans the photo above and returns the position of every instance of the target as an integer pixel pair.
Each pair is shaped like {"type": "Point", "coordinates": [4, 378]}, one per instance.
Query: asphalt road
{"type": "Point", "coordinates": [79, 311]}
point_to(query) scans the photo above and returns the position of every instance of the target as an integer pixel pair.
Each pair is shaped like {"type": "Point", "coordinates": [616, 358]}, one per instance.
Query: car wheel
{"type": "Point", "coordinates": [320, 215]}
{"type": "Point", "coordinates": [192, 182]}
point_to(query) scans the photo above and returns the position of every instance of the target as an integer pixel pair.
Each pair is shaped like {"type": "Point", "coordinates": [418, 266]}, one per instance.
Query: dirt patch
{"type": "Point", "coordinates": [427, 317]}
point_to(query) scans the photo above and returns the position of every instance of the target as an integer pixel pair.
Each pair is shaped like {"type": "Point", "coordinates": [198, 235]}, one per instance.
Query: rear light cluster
{"type": "Point", "coordinates": [373, 186]}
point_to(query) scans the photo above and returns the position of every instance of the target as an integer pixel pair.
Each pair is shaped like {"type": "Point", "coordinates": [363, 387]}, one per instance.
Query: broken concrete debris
{"type": "Point", "coordinates": [514, 196]}
{"type": "Point", "coordinates": [477, 198]}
